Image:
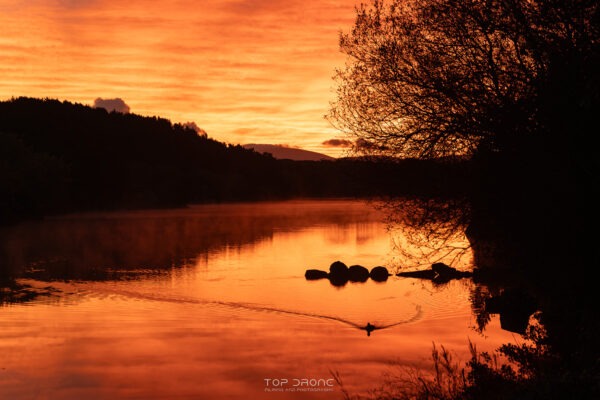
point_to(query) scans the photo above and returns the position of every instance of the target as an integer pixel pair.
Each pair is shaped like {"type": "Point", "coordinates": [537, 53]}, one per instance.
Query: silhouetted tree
{"type": "Point", "coordinates": [510, 85]}
{"type": "Point", "coordinates": [431, 78]}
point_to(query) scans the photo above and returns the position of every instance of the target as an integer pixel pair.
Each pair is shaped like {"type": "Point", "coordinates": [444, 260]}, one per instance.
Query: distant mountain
{"type": "Point", "coordinates": [287, 153]}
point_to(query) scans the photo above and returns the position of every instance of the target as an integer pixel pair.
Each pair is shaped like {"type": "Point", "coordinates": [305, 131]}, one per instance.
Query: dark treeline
{"type": "Point", "coordinates": [58, 157]}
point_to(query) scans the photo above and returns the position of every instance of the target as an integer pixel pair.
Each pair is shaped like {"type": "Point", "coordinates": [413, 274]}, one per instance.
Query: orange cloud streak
{"type": "Point", "coordinates": [245, 71]}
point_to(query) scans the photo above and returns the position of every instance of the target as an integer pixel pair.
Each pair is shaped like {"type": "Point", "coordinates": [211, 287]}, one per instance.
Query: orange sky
{"type": "Point", "coordinates": [246, 71]}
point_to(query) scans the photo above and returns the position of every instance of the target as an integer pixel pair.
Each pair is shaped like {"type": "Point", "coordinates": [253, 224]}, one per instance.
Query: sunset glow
{"type": "Point", "coordinates": [245, 71]}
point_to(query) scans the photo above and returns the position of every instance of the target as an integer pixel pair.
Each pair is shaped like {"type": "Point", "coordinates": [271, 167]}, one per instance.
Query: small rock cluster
{"type": "Point", "coordinates": [339, 274]}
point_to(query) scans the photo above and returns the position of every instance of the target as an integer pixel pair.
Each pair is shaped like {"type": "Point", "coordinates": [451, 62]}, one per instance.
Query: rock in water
{"type": "Point", "coordinates": [314, 274]}
{"type": "Point", "coordinates": [338, 273]}
{"type": "Point", "coordinates": [358, 273]}
{"type": "Point", "coordinates": [443, 269]}
{"type": "Point", "coordinates": [338, 268]}
{"type": "Point", "coordinates": [379, 274]}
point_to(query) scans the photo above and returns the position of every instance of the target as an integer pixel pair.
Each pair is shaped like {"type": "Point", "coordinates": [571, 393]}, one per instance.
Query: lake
{"type": "Point", "coordinates": [211, 301]}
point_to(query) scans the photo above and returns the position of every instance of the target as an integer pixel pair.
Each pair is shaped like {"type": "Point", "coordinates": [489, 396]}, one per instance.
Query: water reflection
{"type": "Point", "coordinates": [12, 292]}
{"type": "Point", "coordinates": [429, 231]}
{"type": "Point", "coordinates": [523, 258]}
{"type": "Point", "coordinates": [98, 246]}
{"type": "Point", "coordinates": [435, 230]}
{"type": "Point", "coordinates": [210, 301]}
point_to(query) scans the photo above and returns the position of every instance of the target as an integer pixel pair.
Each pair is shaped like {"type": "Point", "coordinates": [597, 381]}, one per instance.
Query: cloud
{"type": "Point", "coordinates": [193, 126]}
{"type": "Point", "coordinates": [117, 105]}
{"type": "Point", "coordinates": [337, 143]}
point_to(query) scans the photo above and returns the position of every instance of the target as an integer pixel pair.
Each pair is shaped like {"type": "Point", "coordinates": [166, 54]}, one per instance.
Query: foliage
{"type": "Point", "coordinates": [532, 369]}
{"type": "Point", "coordinates": [446, 381]}
{"type": "Point", "coordinates": [30, 182]}
{"type": "Point", "coordinates": [432, 78]}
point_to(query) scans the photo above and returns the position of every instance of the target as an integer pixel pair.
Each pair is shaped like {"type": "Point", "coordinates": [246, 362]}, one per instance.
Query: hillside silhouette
{"type": "Point", "coordinates": [60, 157]}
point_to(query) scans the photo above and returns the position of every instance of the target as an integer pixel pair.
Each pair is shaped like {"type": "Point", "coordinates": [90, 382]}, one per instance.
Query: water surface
{"type": "Point", "coordinates": [211, 302]}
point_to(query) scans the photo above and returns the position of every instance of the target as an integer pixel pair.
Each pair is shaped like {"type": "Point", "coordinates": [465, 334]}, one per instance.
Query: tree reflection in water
{"type": "Point", "coordinates": [429, 230]}
{"type": "Point", "coordinates": [536, 298]}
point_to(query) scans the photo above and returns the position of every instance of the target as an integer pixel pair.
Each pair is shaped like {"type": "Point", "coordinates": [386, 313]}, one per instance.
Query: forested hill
{"type": "Point", "coordinates": [60, 157]}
